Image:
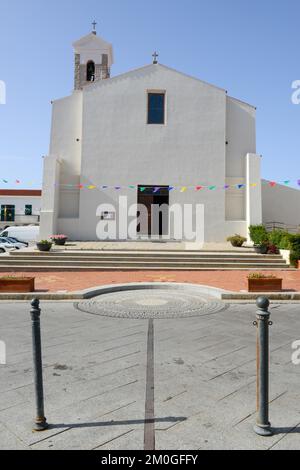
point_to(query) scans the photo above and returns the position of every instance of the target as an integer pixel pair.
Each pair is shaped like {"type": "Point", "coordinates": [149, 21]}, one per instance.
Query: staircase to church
{"type": "Point", "coordinates": [139, 260]}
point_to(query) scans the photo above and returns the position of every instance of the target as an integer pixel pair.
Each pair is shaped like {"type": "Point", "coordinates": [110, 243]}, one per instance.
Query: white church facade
{"type": "Point", "coordinates": [151, 136]}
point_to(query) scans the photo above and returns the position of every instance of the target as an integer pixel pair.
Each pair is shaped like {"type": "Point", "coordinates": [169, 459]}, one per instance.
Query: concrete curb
{"type": "Point", "coordinates": [295, 296]}
{"type": "Point", "coordinates": [95, 291]}
{"type": "Point", "coordinates": [220, 294]}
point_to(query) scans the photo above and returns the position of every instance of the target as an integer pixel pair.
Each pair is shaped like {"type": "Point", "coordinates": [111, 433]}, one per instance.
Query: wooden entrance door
{"type": "Point", "coordinates": [148, 197]}
{"type": "Point", "coordinates": [147, 201]}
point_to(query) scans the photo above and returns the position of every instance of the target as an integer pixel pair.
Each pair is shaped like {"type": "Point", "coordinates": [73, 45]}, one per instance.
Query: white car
{"type": "Point", "coordinates": [9, 244]}
{"type": "Point", "coordinates": [3, 248]}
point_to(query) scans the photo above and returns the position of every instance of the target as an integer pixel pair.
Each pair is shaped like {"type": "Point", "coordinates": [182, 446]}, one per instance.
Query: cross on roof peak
{"type": "Point", "coordinates": [94, 24]}
{"type": "Point", "coordinates": [155, 57]}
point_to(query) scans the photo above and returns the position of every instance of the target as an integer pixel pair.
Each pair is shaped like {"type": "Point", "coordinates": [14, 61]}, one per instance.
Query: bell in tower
{"type": "Point", "coordinates": [93, 59]}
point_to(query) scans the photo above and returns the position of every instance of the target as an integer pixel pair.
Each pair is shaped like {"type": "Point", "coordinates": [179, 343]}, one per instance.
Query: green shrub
{"type": "Point", "coordinates": [295, 242]}
{"type": "Point", "coordinates": [237, 240]}
{"type": "Point", "coordinates": [276, 237]}
{"type": "Point", "coordinates": [45, 242]}
{"type": "Point", "coordinates": [285, 242]}
{"type": "Point", "coordinates": [294, 258]}
{"type": "Point", "coordinates": [259, 234]}
{"type": "Point", "coordinates": [261, 276]}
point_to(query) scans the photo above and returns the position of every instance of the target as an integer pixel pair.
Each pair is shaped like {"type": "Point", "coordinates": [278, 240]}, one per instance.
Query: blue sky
{"type": "Point", "coordinates": [250, 48]}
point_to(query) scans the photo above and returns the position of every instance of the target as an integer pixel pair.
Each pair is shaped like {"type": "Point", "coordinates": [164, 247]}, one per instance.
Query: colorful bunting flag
{"type": "Point", "coordinates": [156, 189]}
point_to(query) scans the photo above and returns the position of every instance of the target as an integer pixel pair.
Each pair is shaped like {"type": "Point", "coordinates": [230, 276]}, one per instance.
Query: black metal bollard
{"type": "Point", "coordinates": [40, 423]}
{"type": "Point", "coordinates": [263, 426]}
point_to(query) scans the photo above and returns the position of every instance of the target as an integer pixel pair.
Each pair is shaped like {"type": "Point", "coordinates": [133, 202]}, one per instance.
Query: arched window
{"type": "Point", "coordinates": [90, 71]}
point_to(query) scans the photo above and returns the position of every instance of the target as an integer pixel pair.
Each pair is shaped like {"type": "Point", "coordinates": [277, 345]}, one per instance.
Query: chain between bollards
{"type": "Point", "coordinates": [40, 422]}
{"type": "Point", "coordinates": [263, 426]}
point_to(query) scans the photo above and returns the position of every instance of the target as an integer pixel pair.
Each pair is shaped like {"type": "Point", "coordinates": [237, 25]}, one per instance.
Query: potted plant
{"type": "Point", "coordinates": [16, 284]}
{"type": "Point", "coordinates": [59, 239]}
{"type": "Point", "coordinates": [262, 248]}
{"type": "Point", "coordinates": [258, 282]}
{"type": "Point", "coordinates": [44, 245]}
{"type": "Point", "coordinates": [272, 249]}
{"type": "Point", "coordinates": [237, 240]}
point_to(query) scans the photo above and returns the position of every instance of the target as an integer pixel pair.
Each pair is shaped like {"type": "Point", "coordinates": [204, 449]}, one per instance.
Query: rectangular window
{"type": "Point", "coordinates": [28, 209]}
{"type": "Point", "coordinates": [156, 108]}
{"type": "Point", "coordinates": [7, 213]}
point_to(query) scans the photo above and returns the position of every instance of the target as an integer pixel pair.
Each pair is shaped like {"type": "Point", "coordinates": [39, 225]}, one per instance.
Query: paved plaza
{"type": "Point", "coordinates": [126, 382]}
{"type": "Point", "coordinates": [235, 281]}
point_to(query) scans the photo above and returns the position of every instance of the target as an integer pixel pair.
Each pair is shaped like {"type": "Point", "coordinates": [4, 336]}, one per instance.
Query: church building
{"type": "Point", "coordinates": [156, 136]}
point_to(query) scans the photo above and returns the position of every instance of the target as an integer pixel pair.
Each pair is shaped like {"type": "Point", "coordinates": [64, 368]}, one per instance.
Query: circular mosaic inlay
{"type": "Point", "coordinates": [152, 303]}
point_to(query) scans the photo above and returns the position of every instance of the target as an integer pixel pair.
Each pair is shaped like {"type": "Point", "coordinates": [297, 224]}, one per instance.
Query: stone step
{"type": "Point", "coordinates": [151, 254]}
{"type": "Point", "coordinates": [55, 261]}
{"type": "Point", "coordinates": [74, 268]}
{"type": "Point", "coordinates": [114, 259]}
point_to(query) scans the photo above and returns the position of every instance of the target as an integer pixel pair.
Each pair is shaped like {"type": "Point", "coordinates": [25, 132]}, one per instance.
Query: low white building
{"type": "Point", "coordinates": [156, 136]}
{"type": "Point", "coordinates": [20, 207]}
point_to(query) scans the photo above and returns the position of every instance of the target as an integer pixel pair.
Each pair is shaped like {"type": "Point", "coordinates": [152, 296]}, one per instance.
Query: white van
{"type": "Point", "coordinates": [24, 234]}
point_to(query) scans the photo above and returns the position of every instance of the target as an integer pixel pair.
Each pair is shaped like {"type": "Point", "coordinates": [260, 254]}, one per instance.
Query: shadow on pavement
{"type": "Point", "coordinates": [171, 419]}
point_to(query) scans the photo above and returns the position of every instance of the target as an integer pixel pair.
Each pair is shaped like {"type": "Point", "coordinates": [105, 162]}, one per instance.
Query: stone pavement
{"type": "Point", "coordinates": [99, 374]}
{"type": "Point", "coordinates": [228, 280]}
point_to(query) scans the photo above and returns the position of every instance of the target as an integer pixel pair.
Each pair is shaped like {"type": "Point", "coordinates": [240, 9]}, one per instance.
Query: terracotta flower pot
{"type": "Point", "coordinates": [25, 284]}
{"type": "Point", "coordinates": [265, 285]}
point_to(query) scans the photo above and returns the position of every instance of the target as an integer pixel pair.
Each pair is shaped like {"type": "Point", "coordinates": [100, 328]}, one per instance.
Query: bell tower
{"type": "Point", "coordinates": [93, 59]}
